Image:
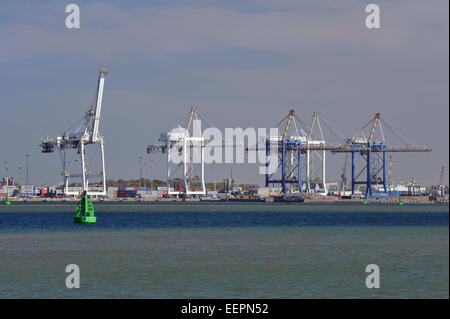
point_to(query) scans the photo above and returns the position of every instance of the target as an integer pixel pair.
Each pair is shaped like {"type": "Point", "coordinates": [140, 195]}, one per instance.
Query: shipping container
{"type": "Point", "coordinates": [131, 193]}
{"type": "Point", "coordinates": [75, 189]}
{"type": "Point", "coordinates": [25, 189]}
{"type": "Point", "coordinates": [25, 195]}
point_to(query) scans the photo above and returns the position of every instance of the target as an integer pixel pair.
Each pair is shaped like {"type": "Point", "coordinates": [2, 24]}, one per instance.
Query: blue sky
{"type": "Point", "coordinates": [244, 63]}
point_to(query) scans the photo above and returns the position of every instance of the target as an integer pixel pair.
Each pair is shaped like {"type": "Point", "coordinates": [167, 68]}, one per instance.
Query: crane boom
{"type": "Point", "coordinates": [288, 123]}
{"type": "Point", "coordinates": [364, 148]}
{"type": "Point", "coordinates": [315, 116]}
{"type": "Point", "coordinates": [191, 117]}
{"type": "Point", "coordinates": [98, 106]}
{"type": "Point", "coordinates": [441, 177]}
{"type": "Point", "coordinates": [374, 126]}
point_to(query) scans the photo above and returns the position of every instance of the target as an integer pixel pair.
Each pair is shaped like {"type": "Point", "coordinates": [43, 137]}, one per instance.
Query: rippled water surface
{"type": "Point", "coordinates": [192, 250]}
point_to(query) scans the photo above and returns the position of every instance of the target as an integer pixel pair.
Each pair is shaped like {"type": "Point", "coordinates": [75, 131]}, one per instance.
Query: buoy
{"type": "Point", "coordinates": [399, 202]}
{"type": "Point", "coordinates": [7, 201]}
{"type": "Point", "coordinates": [364, 201]}
{"type": "Point", "coordinates": [85, 211]}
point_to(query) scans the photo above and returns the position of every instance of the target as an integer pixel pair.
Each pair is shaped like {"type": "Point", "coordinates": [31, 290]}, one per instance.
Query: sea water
{"type": "Point", "coordinates": [225, 250]}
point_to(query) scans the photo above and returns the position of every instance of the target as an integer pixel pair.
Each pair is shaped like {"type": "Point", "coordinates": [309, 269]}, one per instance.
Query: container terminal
{"type": "Point", "coordinates": [300, 148]}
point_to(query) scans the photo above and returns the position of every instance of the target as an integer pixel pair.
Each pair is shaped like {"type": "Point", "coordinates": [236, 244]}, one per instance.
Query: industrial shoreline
{"type": "Point", "coordinates": [186, 181]}
{"type": "Point", "coordinates": [328, 199]}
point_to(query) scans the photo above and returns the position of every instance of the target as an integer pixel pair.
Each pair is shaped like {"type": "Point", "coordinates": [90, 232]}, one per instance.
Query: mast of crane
{"type": "Point", "coordinates": [98, 105]}
{"type": "Point", "coordinates": [288, 124]}
{"type": "Point", "coordinates": [314, 120]}
{"type": "Point", "coordinates": [441, 176]}
{"type": "Point", "coordinates": [191, 117]}
{"type": "Point", "coordinates": [374, 121]}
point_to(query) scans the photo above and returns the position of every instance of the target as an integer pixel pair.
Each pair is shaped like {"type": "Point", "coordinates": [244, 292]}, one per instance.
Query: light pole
{"type": "Point", "coordinates": [6, 173]}
{"type": "Point", "coordinates": [143, 177]}
{"type": "Point", "coordinates": [140, 175]}
{"type": "Point", "coordinates": [151, 174]}
{"type": "Point", "coordinates": [27, 156]}
{"type": "Point", "coordinates": [20, 178]}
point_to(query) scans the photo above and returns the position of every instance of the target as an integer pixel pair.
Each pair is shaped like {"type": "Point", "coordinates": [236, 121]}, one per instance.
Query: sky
{"type": "Point", "coordinates": [243, 63]}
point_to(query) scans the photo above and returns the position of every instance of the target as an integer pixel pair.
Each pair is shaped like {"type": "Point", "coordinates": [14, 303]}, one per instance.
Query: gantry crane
{"type": "Point", "coordinates": [372, 149]}
{"type": "Point", "coordinates": [76, 142]}
{"type": "Point", "coordinates": [293, 141]}
{"type": "Point", "coordinates": [317, 140]}
{"type": "Point", "coordinates": [184, 147]}
{"type": "Point", "coordinates": [286, 145]}
{"type": "Point", "coordinates": [289, 144]}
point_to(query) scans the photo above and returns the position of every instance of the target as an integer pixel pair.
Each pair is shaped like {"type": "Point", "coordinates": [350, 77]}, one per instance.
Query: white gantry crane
{"type": "Point", "coordinates": [311, 171]}
{"type": "Point", "coordinates": [75, 143]}
{"type": "Point", "coordinates": [185, 157]}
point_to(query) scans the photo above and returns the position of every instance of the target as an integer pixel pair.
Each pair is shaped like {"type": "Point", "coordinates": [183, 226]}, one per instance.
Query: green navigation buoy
{"type": "Point", "coordinates": [364, 201]}
{"type": "Point", "coordinates": [399, 202]}
{"type": "Point", "coordinates": [85, 211]}
{"type": "Point", "coordinates": [7, 201]}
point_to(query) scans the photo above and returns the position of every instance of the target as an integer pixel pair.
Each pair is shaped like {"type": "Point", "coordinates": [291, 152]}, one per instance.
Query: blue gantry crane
{"type": "Point", "coordinates": [368, 157]}
{"type": "Point", "coordinates": [292, 141]}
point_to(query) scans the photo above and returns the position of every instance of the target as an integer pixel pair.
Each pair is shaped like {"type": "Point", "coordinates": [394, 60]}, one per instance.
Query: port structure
{"type": "Point", "coordinates": [72, 144]}
{"type": "Point", "coordinates": [289, 144]}
{"type": "Point", "coordinates": [315, 139]}
{"type": "Point", "coordinates": [186, 174]}
{"type": "Point", "coordinates": [368, 156]}
{"type": "Point", "coordinates": [294, 140]}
